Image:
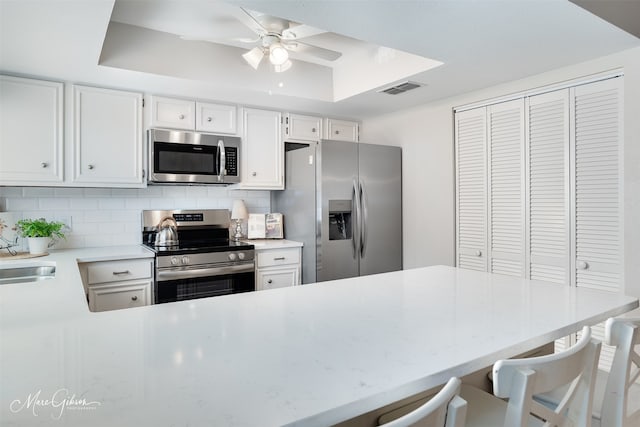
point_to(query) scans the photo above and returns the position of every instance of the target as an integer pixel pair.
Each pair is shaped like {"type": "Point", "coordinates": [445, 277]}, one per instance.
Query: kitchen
{"type": "Point", "coordinates": [110, 216]}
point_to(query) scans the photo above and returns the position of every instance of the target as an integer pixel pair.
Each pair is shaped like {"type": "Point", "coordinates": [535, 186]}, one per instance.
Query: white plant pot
{"type": "Point", "coordinates": [38, 245]}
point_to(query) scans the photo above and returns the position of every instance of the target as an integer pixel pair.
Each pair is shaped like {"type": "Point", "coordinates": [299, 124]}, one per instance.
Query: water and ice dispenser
{"type": "Point", "coordinates": [340, 220]}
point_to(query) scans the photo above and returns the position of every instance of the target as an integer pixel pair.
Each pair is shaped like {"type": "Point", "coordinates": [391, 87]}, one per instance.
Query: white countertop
{"type": "Point", "coordinates": [305, 355]}
{"type": "Point", "coordinates": [262, 244]}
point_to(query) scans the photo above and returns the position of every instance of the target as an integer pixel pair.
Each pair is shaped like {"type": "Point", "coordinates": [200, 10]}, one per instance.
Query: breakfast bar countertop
{"type": "Point", "coordinates": [305, 355]}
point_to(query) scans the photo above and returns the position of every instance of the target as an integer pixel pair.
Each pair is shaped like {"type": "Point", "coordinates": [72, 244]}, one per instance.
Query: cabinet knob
{"type": "Point", "coordinates": [582, 265]}
{"type": "Point", "coordinates": [90, 167]}
{"type": "Point", "coordinates": [209, 119]}
{"type": "Point", "coordinates": [313, 130]}
{"type": "Point", "coordinates": [44, 164]}
{"type": "Point", "coordinates": [254, 174]}
{"type": "Point", "coordinates": [134, 298]}
{"type": "Point", "coordinates": [270, 281]}
{"type": "Point", "coordinates": [181, 116]}
{"type": "Point", "coordinates": [337, 132]}
{"type": "Point", "coordinates": [478, 253]}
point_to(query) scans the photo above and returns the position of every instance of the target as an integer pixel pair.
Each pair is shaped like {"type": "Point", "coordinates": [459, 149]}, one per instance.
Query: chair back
{"type": "Point", "coordinates": [445, 409]}
{"type": "Point", "coordinates": [624, 334]}
{"type": "Point", "coordinates": [520, 379]}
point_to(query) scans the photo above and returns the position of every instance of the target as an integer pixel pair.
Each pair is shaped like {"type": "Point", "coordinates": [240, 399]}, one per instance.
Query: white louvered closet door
{"type": "Point", "coordinates": [471, 193]}
{"type": "Point", "coordinates": [548, 218]}
{"type": "Point", "coordinates": [598, 192]}
{"type": "Point", "coordinates": [506, 211]}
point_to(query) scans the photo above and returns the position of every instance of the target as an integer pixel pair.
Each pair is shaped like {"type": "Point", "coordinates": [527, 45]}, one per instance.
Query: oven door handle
{"type": "Point", "coordinates": [203, 272]}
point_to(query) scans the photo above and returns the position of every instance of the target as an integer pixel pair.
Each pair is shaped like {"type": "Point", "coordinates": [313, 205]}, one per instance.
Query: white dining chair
{"type": "Point", "coordinates": [445, 409]}
{"type": "Point", "coordinates": [518, 380]}
{"type": "Point", "coordinates": [616, 401]}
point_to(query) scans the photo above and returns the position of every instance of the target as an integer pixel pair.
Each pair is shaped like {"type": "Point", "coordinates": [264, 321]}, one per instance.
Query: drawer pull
{"type": "Point", "coordinates": [120, 273]}
{"type": "Point", "coordinates": [280, 258]}
{"type": "Point", "coordinates": [270, 281]}
{"type": "Point", "coordinates": [134, 298]}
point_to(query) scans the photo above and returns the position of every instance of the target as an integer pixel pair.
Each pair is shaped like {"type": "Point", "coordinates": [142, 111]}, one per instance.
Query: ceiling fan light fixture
{"type": "Point", "coordinates": [254, 57]}
{"type": "Point", "coordinates": [283, 67]}
{"type": "Point", "coordinates": [278, 55]}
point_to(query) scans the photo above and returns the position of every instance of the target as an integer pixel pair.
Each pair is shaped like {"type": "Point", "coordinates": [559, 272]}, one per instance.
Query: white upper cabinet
{"type": "Point", "coordinates": [216, 118]}
{"type": "Point", "coordinates": [471, 189]}
{"type": "Point", "coordinates": [262, 154]}
{"type": "Point", "coordinates": [302, 128]}
{"type": "Point", "coordinates": [172, 113]}
{"type": "Point", "coordinates": [598, 192]}
{"type": "Point", "coordinates": [505, 130]}
{"type": "Point", "coordinates": [31, 132]}
{"type": "Point", "coordinates": [341, 130]}
{"type": "Point", "coordinates": [107, 137]}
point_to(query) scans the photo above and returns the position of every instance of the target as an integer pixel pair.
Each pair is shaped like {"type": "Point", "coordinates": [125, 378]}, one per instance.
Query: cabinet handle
{"type": "Point", "coordinates": [181, 116]}
{"type": "Point", "coordinates": [313, 130]}
{"type": "Point", "coordinates": [582, 265]}
{"type": "Point", "coordinates": [209, 119]}
{"type": "Point", "coordinates": [254, 174]}
{"type": "Point", "coordinates": [90, 167]}
{"type": "Point", "coordinates": [337, 132]}
{"type": "Point", "coordinates": [280, 258]}
{"type": "Point", "coordinates": [134, 298]}
{"type": "Point", "coordinates": [120, 273]}
{"type": "Point", "coordinates": [478, 253]}
{"type": "Point", "coordinates": [44, 164]}
{"type": "Point", "coordinates": [269, 281]}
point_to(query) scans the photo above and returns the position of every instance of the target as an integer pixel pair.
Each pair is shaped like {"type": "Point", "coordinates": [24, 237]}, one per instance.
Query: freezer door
{"type": "Point", "coordinates": [298, 203]}
{"type": "Point", "coordinates": [337, 253]}
{"type": "Point", "coordinates": [380, 170]}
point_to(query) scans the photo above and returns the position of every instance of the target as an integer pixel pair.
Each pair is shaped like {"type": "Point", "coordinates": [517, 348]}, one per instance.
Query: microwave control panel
{"type": "Point", "coordinates": [231, 160]}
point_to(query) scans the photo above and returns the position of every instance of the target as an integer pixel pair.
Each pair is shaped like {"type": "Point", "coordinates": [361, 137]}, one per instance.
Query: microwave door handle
{"type": "Point", "coordinates": [222, 171]}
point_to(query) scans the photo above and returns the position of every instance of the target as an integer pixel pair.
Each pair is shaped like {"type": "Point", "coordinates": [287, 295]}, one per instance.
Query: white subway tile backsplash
{"type": "Point", "coordinates": [107, 217]}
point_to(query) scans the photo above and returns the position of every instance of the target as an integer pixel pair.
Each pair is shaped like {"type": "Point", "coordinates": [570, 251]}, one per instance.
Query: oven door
{"type": "Point", "coordinates": [203, 281]}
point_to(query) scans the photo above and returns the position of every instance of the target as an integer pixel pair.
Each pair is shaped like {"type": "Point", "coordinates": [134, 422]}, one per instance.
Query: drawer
{"type": "Point", "coordinates": [279, 278]}
{"type": "Point", "coordinates": [273, 257]}
{"type": "Point", "coordinates": [118, 271]}
{"type": "Point", "coordinates": [116, 297]}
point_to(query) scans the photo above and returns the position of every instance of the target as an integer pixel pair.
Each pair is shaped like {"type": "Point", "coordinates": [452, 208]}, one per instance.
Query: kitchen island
{"type": "Point", "coordinates": [306, 355]}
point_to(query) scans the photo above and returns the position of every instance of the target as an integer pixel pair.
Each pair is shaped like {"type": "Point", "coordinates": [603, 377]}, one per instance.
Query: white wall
{"type": "Point", "coordinates": [426, 135]}
{"type": "Point", "coordinates": [111, 216]}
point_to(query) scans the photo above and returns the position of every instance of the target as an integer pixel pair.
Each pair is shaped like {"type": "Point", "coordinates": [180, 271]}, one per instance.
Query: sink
{"type": "Point", "coordinates": [27, 274]}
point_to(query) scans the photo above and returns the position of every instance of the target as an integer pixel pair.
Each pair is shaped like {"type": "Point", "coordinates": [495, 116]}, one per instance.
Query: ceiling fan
{"type": "Point", "coordinates": [277, 37]}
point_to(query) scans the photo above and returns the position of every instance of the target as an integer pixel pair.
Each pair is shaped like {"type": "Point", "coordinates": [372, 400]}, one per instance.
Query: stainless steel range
{"type": "Point", "coordinates": [194, 256]}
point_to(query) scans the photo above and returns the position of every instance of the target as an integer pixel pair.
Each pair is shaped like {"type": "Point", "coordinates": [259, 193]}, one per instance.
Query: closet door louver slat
{"type": "Point", "coordinates": [471, 194]}
{"type": "Point", "coordinates": [506, 195]}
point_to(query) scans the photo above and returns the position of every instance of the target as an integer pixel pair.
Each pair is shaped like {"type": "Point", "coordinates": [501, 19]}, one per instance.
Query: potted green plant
{"type": "Point", "coordinates": [40, 233]}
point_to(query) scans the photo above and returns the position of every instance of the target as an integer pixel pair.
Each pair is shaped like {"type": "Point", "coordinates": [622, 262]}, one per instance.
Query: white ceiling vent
{"type": "Point", "coordinates": [400, 88]}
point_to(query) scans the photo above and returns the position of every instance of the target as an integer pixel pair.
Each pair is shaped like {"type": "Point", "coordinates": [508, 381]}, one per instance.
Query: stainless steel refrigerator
{"type": "Point", "coordinates": [344, 202]}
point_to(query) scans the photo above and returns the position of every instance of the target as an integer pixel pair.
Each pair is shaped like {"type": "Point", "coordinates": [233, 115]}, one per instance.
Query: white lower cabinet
{"type": "Point", "coordinates": [278, 268]}
{"type": "Point", "coordinates": [113, 285]}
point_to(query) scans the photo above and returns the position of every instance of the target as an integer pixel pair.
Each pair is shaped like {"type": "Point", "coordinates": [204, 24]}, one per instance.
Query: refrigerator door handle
{"type": "Point", "coordinates": [355, 229]}
{"type": "Point", "coordinates": [364, 216]}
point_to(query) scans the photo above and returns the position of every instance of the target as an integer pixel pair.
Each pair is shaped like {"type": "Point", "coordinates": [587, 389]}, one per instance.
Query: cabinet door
{"type": "Point", "coordinates": [303, 128]}
{"type": "Point", "coordinates": [598, 195]}
{"type": "Point", "coordinates": [31, 130]}
{"type": "Point", "coordinates": [107, 137]}
{"type": "Point", "coordinates": [272, 278]}
{"type": "Point", "coordinates": [216, 118]}
{"type": "Point", "coordinates": [116, 296]}
{"type": "Point", "coordinates": [506, 212]}
{"type": "Point", "coordinates": [262, 150]}
{"type": "Point", "coordinates": [547, 216]}
{"type": "Point", "coordinates": [471, 189]}
{"type": "Point", "coordinates": [172, 113]}
{"type": "Point", "coordinates": [340, 130]}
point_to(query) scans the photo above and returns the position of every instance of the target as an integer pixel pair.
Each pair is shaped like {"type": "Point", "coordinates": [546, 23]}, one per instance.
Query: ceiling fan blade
{"type": "Point", "coordinates": [319, 52]}
{"type": "Point", "coordinates": [299, 31]}
{"type": "Point", "coordinates": [250, 21]}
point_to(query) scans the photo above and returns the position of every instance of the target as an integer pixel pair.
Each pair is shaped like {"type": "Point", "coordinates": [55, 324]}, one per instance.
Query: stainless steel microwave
{"type": "Point", "coordinates": [183, 157]}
